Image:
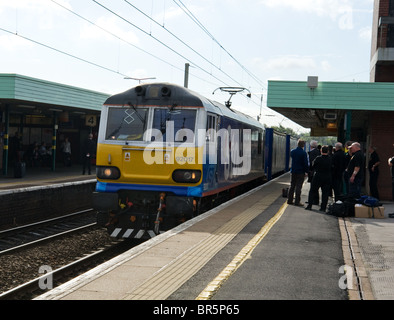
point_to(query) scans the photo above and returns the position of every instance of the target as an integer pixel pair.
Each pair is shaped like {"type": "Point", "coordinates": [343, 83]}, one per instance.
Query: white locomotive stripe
{"type": "Point", "coordinates": [116, 232]}
{"type": "Point", "coordinates": [139, 234]}
{"type": "Point", "coordinates": [128, 233]}
{"type": "Point", "coordinates": [151, 233]}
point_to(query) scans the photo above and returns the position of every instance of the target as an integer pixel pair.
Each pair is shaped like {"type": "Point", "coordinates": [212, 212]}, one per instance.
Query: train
{"type": "Point", "coordinates": [166, 154]}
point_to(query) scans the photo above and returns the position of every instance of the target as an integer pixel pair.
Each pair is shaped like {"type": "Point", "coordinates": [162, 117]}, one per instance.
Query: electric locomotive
{"type": "Point", "coordinates": [164, 152]}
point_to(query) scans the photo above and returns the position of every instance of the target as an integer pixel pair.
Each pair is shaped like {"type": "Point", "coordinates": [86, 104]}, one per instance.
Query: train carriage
{"type": "Point", "coordinates": [165, 153]}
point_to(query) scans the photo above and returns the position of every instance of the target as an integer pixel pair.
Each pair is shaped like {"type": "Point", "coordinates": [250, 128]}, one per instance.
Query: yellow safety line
{"type": "Point", "coordinates": [163, 283]}
{"type": "Point", "coordinates": [240, 258]}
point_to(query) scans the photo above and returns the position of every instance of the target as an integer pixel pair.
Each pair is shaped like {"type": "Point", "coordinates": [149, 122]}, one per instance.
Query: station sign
{"type": "Point", "coordinates": [91, 120]}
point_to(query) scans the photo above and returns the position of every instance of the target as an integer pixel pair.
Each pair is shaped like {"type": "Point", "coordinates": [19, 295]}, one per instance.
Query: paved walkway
{"type": "Point", "coordinates": [371, 240]}
{"type": "Point", "coordinates": [375, 239]}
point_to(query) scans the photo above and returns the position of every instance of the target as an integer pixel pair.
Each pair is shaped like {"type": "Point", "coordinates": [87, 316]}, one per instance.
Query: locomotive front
{"type": "Point", "coordinates": [149, 160]}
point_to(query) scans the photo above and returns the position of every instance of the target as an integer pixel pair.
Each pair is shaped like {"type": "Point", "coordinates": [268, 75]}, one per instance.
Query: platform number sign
{"type": "Point", "coordinates": [90, 120]}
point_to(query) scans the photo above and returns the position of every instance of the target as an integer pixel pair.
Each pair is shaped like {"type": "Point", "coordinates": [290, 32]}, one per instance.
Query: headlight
{"type": "Point", "coordinates": [186, 176]}
{"type": "Point", "coordinates": [107, 173]}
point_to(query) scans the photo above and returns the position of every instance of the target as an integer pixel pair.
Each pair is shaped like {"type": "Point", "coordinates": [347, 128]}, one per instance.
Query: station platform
{"type": "Point", "coordinates": [43, 176]}
{"type": "Point", "coordinates": [254, 247]}
{"type": "Point", "coordinates": [43, 194]}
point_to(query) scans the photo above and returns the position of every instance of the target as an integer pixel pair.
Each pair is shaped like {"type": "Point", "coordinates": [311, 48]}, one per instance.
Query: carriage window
{"type": "Point", "coordinates": [178, 118]}
{"type": "Point", "coordinates": [211, 128]}
{"type": "Point", "coordinates": [126, 123]}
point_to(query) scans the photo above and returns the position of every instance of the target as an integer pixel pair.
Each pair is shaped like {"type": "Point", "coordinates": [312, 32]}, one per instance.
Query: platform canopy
{"type": "Point", "coordinates": [25, 92]}
{"type": "Point", "coordinates": [319, 105]}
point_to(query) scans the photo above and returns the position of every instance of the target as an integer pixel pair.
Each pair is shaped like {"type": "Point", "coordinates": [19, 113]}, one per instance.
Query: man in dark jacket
{"type": "Point", "coordinates": [355, 170]}
{"type": "Point", "coordinates": [338, 167]}
{"type": "Point", "coordinates": [390, 162]}
{"type": "Point", "coordinates": [89, 150]}
{"type": "Point", "coordinates": [321, 179]}
{"type": "Point", "coordinates": [299, 168]}
{"type": "Point", "coordinates": [312, 154]}
{"type": "Point", "coordinates": [373, 168]}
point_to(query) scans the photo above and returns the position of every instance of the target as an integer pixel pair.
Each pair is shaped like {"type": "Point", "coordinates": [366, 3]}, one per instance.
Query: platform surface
{"type": "Point", "coordinates": [254, 247]}
{"type": "Point", "coordinates": [44, 176]}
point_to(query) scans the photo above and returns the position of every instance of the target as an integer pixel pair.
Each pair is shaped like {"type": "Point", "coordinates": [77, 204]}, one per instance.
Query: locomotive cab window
{"type": "Point", "coordinates": [183, 122]}
{"type": "Point", "coordinates": [126, 124]}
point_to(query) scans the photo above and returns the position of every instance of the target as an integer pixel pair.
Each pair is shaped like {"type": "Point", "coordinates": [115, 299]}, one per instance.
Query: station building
{"type": "Point", "coordinates": [35, 111]}
{"type": "Point", "coordinates": [362, 112]}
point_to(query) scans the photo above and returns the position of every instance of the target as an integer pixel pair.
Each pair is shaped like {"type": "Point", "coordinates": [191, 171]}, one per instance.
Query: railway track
{"type": "Point", "coordinates": [52, 278]}
{"type": "Point", "coordinates": [22, 237]}
{"type": "Point", "coordinates": [22, 240]}
{"type": "Point", "coordinates": [45, 254]}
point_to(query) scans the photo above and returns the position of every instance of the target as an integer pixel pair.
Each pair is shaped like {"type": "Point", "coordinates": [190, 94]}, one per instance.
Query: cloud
{"type": "Point", "coordinates": [290, 62]}
{"type": "Point", "coordinates": [340, 11]}
{"type": "Point", "coordinates": [170, 13]}
{"type": "Point", "coordinates": [365, 33]}
{"type": "Point", "coordinates": [28, 9]}
{"type": "Point", "coordinates": [12, 42]}
{"type": "Point", "coordinates": [90, 31]}
{"type": "Point", "coordinates": [325, 65]}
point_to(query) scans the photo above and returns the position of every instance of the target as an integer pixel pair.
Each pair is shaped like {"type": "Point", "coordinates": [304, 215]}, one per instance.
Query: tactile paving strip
{"type": "Point", "coordinates": [163, 283]}
{"type": "Point", "coordinates": [377, 249]}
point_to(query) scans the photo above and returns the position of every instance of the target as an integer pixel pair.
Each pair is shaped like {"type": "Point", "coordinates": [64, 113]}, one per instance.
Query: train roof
{"type": "Point", "coordinates": [166, 94]}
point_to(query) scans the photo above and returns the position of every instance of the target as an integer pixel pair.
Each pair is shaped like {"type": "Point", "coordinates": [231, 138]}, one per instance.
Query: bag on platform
{"type": "Point", "coordinates": [369, 201]}
{"type": "Point", "coordinates": [337, 209]}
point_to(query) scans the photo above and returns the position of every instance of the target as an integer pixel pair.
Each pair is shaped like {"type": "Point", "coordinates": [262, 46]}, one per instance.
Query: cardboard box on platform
{"type": "Point", "coordinates": [361, 211]}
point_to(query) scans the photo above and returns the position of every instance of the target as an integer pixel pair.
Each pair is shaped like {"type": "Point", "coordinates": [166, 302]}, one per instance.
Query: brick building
{"type": "Point", "coordinates": [382, 49]}
{"type": "Point", "coordinates": [362, 112]}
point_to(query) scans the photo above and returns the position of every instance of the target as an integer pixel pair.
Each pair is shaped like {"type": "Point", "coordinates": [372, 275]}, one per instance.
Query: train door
{"type": "Point", "coordinates": [211, 146]}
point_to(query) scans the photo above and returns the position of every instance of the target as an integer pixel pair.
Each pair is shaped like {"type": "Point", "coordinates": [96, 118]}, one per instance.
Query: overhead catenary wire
{"type": "Point", "coordinates": [123, 40]}
{"type": "Point", "coordinates": [158, 40]}
{"type": "Point", "coordinates": [181, 41]}
{"type": "Point", "coordinates": [52, 47]}
{"type": "Point", "coordinates": [62, 52]}
{"type": "Point", "coordinates": [183, 7]}
{"type": "Point", "coordinates": [164, 44]}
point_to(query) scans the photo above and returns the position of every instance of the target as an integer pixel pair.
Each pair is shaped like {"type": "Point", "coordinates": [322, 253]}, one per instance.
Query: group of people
{"type": "Point", "coordinates": [333, 170]}
{"type": "Point", "coordinates": [88, 152]}
{"type": "Point", "coordinates": [40, 155]}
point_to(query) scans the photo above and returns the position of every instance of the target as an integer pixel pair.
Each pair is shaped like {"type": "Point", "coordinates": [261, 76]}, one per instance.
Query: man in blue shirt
{"type": "Point", "coordinates": [299, 168]}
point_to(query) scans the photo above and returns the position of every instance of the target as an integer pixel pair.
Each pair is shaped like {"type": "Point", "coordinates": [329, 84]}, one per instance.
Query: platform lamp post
{"type": "Point", "coordinates": [55, 127]}
{"type": "Point", "coordinates": [54, 132]}
{"type": "Point", "coordinates": [6, 139]}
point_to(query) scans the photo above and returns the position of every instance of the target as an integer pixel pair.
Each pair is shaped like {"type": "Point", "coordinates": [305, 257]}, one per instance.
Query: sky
{"type": "Point", "coordinates": [96, 44]}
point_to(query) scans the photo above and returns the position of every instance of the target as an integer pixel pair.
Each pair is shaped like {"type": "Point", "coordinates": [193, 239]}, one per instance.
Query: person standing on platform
{"type": "Point", "coordinates": [321, 179]}
{"type": "Point", "coordinates": [348, 155]}
{"type": "Point", "coordinates": [390, 162]}
{"type": "Point", "coordinates": [355, 170]}
{"type": "Point", "coordinates": [67, 152]}
{"type": "Point", "coordinates": [89, 149]}
{"type": "Point", "coordinates": [338, 168]}
{"type": "Point", "coordinates": [312, 154]}
{"type": "Point", "coordinates": [373, 168]}
{"type": "Point", "coordinates": [299, 169]}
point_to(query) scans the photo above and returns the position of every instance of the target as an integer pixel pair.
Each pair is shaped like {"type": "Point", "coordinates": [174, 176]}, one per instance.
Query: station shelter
{"type": "Point", "coordinates": [350, 111]}
{"type": "Point", "coordinates": [38, 112]}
